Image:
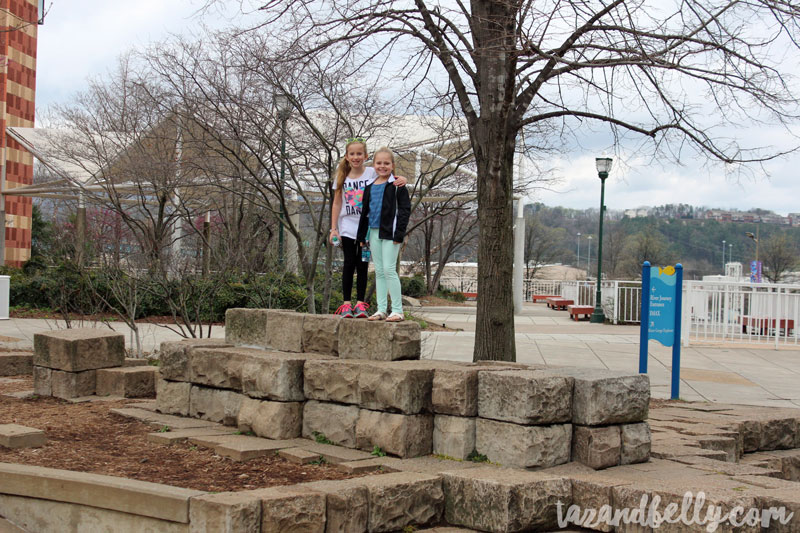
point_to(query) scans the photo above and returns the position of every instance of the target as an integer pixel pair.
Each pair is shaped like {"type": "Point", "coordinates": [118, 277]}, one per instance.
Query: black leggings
{"type": "Point", "coordinates": [353, 264]}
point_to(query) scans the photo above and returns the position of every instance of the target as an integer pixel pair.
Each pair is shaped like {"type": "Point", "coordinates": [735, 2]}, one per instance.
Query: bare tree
{"type": "Point", "coordinates": [542, 244]}
{"type": "Point", "coordinates": [672, 74]}
{"type": "Point", "coordinates": [779, 256]}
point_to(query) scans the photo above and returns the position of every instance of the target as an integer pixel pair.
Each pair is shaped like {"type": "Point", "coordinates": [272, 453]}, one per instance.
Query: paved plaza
{"type": "Point", "coordinates": [732, 373]}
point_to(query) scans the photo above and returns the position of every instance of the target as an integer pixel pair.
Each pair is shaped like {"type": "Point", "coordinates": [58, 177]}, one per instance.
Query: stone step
{"type": "Point", "coordinates": [17, 436]}
{"type": "Point", "coordinates": [243, 447]}
{"type": "Point", "coordinates": [16, 363]}
{"type": "Point", "coordinates": [63, 384]}
{"type": "Point", "coordinates": [128, 382]}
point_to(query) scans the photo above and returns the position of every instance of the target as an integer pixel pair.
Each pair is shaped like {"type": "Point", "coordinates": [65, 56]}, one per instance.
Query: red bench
{"type": "Point", "coordinates": [765, 324]}
{"type": "Point", "coordinates": [543, 297]}
{"type": "Point", "coordinates": [558, 303]}
{"type": "Point", "coordinates": [575, 311]}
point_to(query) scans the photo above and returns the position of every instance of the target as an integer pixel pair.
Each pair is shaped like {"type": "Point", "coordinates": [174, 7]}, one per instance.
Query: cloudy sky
{"type": "Point", "coordinates": [82, 39]}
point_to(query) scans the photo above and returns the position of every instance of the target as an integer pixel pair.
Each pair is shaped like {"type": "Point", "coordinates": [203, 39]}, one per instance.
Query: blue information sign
{"type": "Point", "coordinates": [661, 325]}
{"type": "Point", "coordinates": [661, 315]}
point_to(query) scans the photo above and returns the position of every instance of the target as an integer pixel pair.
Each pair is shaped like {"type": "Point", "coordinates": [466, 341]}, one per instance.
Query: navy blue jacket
{"type": "Point", "coordinates": [395, 212]}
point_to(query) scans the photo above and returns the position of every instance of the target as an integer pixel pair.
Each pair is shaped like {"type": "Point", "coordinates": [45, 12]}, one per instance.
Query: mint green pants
{"type": "Point", "coordinates": [384, 255]}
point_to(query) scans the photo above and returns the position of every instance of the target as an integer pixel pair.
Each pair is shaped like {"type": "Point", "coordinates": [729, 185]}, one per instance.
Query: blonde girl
{"type": "Point", "coordinates": [384, 219]}
{"type": "Point", "coordinates": [352, 178]}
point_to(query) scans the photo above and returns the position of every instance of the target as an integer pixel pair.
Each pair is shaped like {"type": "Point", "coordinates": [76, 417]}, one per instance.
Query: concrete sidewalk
{"type": "Point", "coordinates": [733, 374]}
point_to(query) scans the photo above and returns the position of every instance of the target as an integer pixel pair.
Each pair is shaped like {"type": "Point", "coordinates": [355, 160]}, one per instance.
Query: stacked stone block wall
{"type": "Point", "coordinates": [361, 384]}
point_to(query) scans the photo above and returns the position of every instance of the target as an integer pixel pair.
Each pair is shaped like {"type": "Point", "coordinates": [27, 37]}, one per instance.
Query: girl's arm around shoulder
{"type": "Point", "coordinates": [400, 181]}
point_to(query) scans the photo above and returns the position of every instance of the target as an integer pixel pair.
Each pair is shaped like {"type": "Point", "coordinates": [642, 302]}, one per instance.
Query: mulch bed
{"type": "Point", "coordinates": [87, 437]}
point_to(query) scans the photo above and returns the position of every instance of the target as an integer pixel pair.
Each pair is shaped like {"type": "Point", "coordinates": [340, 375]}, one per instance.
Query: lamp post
{"type": "Point", "coordinates": [588, 254]}
{"type": "Point", "coordinates": [723, 256]}
{"type": "Point", "coordinates": [730, 252]}
{"type": "Point", "coordinates": [283, 108]}
{"type": "Point", "coordinates": [603, 168]}
{"type": "Point", "coordinates": [578, 260]}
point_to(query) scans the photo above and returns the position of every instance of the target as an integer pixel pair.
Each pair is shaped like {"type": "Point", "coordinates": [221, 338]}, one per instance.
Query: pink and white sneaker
{"type": "Point", "coordinates": [360, 310]}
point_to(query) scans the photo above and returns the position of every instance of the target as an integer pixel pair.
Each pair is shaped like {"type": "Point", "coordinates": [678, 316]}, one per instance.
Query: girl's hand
{"type": "Point", "coordinates": [400, 181]}
{"type": "Point", "coordinates": [398, 242]}
{"type": "Point", "coordinates": [334, 232]}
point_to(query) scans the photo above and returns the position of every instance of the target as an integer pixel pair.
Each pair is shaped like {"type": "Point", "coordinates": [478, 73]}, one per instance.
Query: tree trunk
{"type": "Point", "coordinates": [494, 327]}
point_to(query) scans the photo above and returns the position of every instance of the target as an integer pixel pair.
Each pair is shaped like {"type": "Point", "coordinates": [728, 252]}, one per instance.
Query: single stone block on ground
{"type": "Point", "coordinates": [273, 420]}
{"type": "Point", "coordinates": [395, 386]}
{"type": "Point", "coordinates": [602, 397]}
{"type": "Point", "coordinates": [379, 341]}
{"type": "Point", "coordinates": [523, 446]}
{"type": "Point", "coordinates": [173, 397]}
{"type": "Point", "coordinates": [501, 500]}
{"type": "Point", "coordinates": [337, 423]}
{"type": "Point", "coordinates": [75, 350]}
{"type": "Point", "coordinates": [453, 436]}
{"type": "Point", "coordinates": [17, 436]}
{"type": "Point", "coordinates": [299, 456]}
{"type": "Point", "coordinates": [401, 435]}
{"type": "Point", "coordinates": [216, 405]}
{"type": "Point", "coordinates": [129, 382]}
{"type": "Point", "coordinates": [524, 397]}
{"type": "Point", "coordinates": [596, 447]}
{"type": "Point", "coordinates": [225, 512]}
{"type": "Point", "coordinates": [16, 363]}
{"type": "Point", "coordinates": [321, 334]}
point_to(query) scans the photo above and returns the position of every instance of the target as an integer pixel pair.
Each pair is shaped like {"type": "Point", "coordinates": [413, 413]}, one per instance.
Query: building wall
{"type": "Point", "coordinates": [17, 97]}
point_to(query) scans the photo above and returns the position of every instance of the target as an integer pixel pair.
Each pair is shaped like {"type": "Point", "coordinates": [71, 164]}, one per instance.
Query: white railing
{"type": "Point", "coordinates": [740, 312]}
{"type": "Point", "coordinates": [620, 299]}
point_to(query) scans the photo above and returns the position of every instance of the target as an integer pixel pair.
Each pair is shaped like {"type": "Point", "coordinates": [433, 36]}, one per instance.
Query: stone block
{"type": "Point", "coordinates": [173, 397]}
{"type": "Point", "coordinates": [299, 456]}
{"type": "Point", "coordinates": [285, 331]}
{"type": "Point", "coordinates": [596, 447]}
{"type": "Point", "coordinates": [504, 500]}
{"type": "Point", "coordinates": [274, 375]}
{"type": "Point", "coordinates": [246, 327]}
{"type": "Point", "coordinates": [379, 341]}
{"type": "Point", "coordinates": [786, 500]}
{"type": "Point", "coordinates": [523, 446]}
{"type": "Point", "coordinates": [216, 405]}
{"type": "Point", "coordinates": [225, 512]}
{"type": "Point", "coordinates": [593, 493]}
{"type": "Point", "coordinates": [336, 422]}
{"type": "Point", "coordinates": [332, 380]}
{"type": "Point", "coordinates": [778, 433]}
{"type": "Point", "coordinates": [321, 334]}
{"type": "Point", "coordinates": [16, 436]}
{"type": "Point", "coordinates": [79, 349]}
{"type": "Point", "coordinates": [65, 385]}
{"type": "Point", "coordinates": [636, 442]}
{"type": "Point", "coordinates": [602, 397]}
{"type": "Point", "coordinates": [136, 361]}
{"type": "Point", "coordinates": [291, 509]}
{"type": "Point", "coordinates": [220, 368]}
{"type": "Point", "coordinates": [129, 382]}
{"type": "Point", "coordinates": [453, 436]}
{"type": "Point", "coordinates": [399, 386]}
{"type": "Point", "coordinates": [105, 492]}
{"type": "Point", "coordinates": [751, 435]}
{"type": "Point", "coordinates": [243, 447]}
{"type": "Point", "coordinates": [524, 397]}
{"type": "Point", "coordinates": [455, 391]}
{"type": "Point", "coordinates": [42, 381]}
{"type": "Point", "coordinates": [167, 438]}
{"type": "Point", "coordinates": [403, 499]}
{"type": "Point", "coordinates": [273, 420]}
{"type": "Point", "coordinates": [401, 435]}
{"type": "Point", "coordinates": [174, 356]}
{"type": "Point", "coordinates": [16, 363]}
{"type": "Point", "coordinates": [334, 454]}
{"type": "Point", "coordinates": [347, 505]}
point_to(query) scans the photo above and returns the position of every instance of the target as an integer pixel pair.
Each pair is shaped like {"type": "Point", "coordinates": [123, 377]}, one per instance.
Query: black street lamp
{"type": "Point", "coordinates": [603, 168]}
{"type": "Point", "coordinates": [283, 108]}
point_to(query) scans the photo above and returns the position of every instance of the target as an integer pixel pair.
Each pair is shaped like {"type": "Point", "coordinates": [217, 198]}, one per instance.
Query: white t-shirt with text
{"type": "Point", "coordinates": [352, 201]}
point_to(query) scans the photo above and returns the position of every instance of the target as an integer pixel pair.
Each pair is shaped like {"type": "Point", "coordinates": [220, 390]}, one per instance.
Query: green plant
{"type": "Point", "coordinates": [154, 362]}
{"type": "Point", "coordinates": [193, 448]}
{"type": "Point", "coordinates": [378, 452]}
{"type": "Point", "coordinates": [318, 462]}
{"type": "Point", "coordinates": [248, 433]}
{"type": "Point", "coordinates": [164, 429]}
{"type": "Point", "coordinates": [321, 438]}
{"type": "Point", "coordinates": [421, 322]}
{"type": "Point", "coordinates": [476, 457]}
{"type": "Point", "coordinates": [409, 529]}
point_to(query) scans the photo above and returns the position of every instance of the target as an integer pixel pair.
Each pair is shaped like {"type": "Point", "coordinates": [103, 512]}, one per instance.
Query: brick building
{"type": "Point", "coordinates": [19, 20]}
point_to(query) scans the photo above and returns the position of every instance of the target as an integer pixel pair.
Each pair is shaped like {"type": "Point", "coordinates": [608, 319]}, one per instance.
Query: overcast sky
{"type": "Point", "coordinates": [83, 38]}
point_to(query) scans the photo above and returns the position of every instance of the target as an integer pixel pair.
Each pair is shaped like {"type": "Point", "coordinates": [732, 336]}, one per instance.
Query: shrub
{"type": "Point", "coordinates": [413, 286]}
